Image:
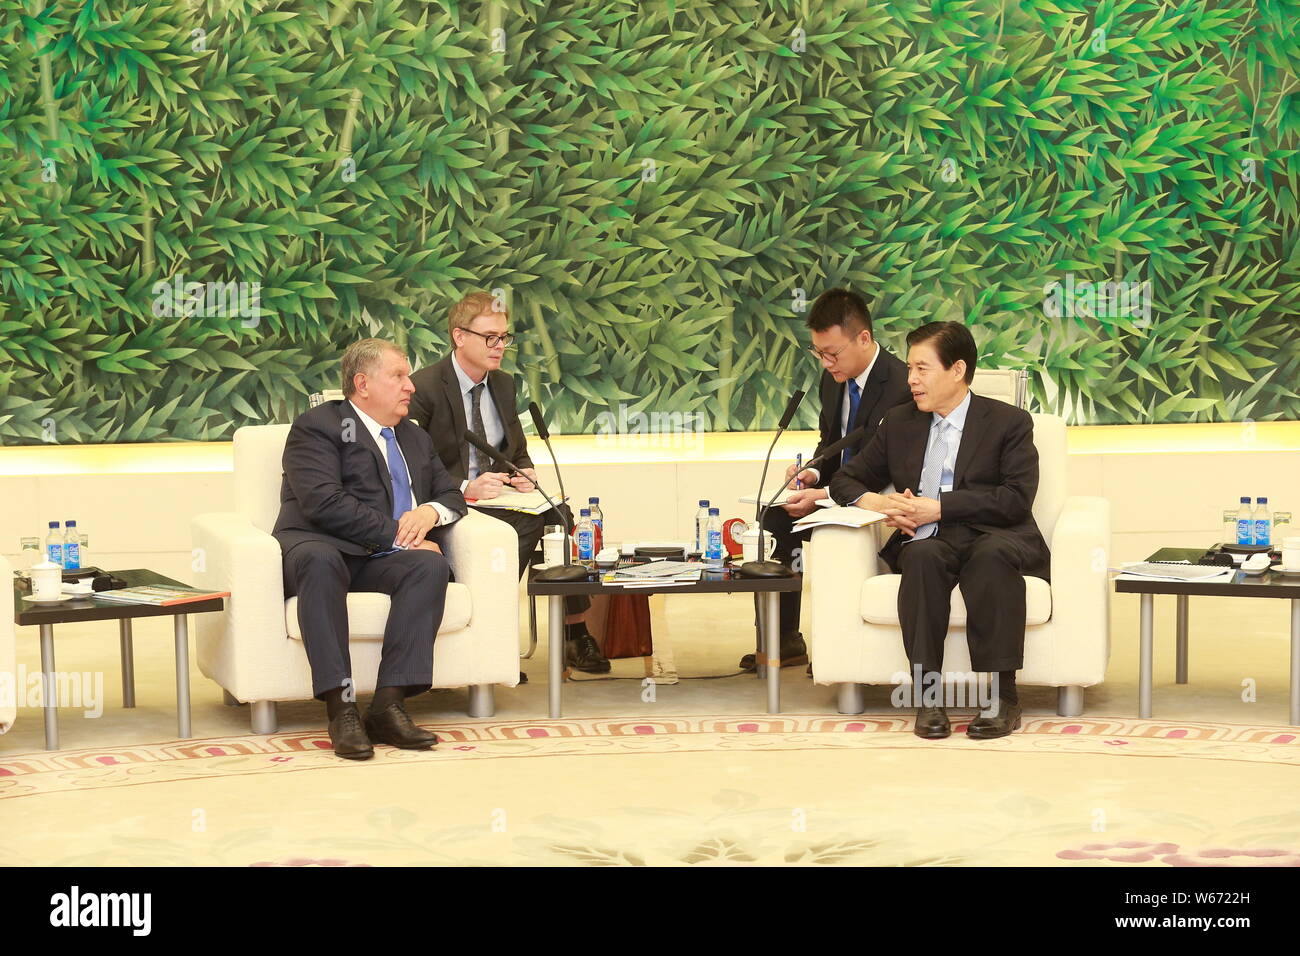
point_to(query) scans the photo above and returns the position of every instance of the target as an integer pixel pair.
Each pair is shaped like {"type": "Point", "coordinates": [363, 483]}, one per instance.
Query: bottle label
{"type": "Point", "coordinates": [586, 544]}
{"type": "Point", "coordinates": [55, 553]}
{"type": "Point", "coordinates": [72, 551]}
{"type": "Point", "coordinates": [1262, 530]}
{"type": "Point", "coordinates": [715, 543]}
{"type": "Point", "coordinates": [1245, 533]}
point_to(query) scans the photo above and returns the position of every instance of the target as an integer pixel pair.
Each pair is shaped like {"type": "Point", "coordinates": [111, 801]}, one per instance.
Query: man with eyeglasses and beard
{"type": "Point", "coordinates": [467, 391]}
{"type": "Point", "coordinates": [860, 381]}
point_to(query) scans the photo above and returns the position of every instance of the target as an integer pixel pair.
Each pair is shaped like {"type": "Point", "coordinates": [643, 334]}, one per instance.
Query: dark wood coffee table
{"type": "Point", "coordinates": [92, 609]}
{"type": "Point", "coordinates": [1270, 584]}
{"type": "Point", "coordinates": [714, 582]}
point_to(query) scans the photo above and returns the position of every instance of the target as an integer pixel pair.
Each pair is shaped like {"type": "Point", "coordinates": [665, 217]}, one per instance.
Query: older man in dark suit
{"type": "Point", "coordinates": [362, 506]}
{"type": "Point", "coordinates": [969, 523]}
{"type": "Point", "coordinates": [467, 391]}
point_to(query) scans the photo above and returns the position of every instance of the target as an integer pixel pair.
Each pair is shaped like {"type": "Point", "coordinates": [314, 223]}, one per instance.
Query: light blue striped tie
{"type": "Point", "coordinates": [932, 476]}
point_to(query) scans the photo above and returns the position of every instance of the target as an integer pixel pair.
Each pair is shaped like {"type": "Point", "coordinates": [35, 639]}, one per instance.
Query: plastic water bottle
{"type": "Point", "coordinates": [701, 519]}
{"type": "Point", "coordinates": [54, 544]}
{"type": "Point", "coordinates": [1245, 523]}
{"type": "Point", "coordinates": [71, 547]}
{"type": "Point", "coordinates": [713, 540]}
{"type": "Point", "coordinates": [586, 538]}
{"type": "Point", "coordinates": [598, 521]}
{"type": "Point", "coordinates": [1263, 522]}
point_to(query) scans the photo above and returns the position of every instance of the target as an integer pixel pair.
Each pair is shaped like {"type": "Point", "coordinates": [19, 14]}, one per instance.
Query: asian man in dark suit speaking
{"type": "Point", "coordinates": [860, 381]}
{"type": "Point", "coordinates": [362, 506]}
{"type": "Point", "coordinates": [468, 391]}
{"type": "Point", "coordinates": [969, 523]}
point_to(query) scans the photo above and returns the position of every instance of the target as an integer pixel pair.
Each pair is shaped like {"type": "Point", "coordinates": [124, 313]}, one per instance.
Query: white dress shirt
{"type": "Point", "coordinates": [956, 424]}
{"type": "Point", "coordinates": [491, 420]}
{"type": "Point", "coordinates": [445, 516]}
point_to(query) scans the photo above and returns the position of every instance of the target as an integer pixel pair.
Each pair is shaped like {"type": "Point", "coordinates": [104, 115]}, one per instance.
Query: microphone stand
{"type": "Point", "coordinates": [764, 568]}
{"type": "Point", "coordinates": [561, 572]}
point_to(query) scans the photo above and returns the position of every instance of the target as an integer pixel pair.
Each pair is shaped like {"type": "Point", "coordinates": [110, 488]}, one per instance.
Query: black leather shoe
{"type": "Point", "coordinates": [988, 728]}
{"type": "Point", "coordinates": [582, 654]}
{"type": "Point", "coordinates": [394, 726]}
{"type": "Point", "coordinates": [932, 723]}
{"type": "Point", "coordinates": [793, 653]}
{"type": "Point", "coordinates": [349, 737]}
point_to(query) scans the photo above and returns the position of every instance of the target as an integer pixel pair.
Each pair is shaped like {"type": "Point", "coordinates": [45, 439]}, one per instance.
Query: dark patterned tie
{"type": "Point", "coordinates": [476, 465]}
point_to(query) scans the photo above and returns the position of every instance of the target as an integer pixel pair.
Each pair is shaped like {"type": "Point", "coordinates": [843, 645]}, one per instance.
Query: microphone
{"type": "Point", "coordinates": [565, 571]}
{"type": "Point", "coordinates": [832, 452]}
{"type": "Point", "coordinates": [771, 569]}
{"type": "Point", "coordinates": [493, 455]}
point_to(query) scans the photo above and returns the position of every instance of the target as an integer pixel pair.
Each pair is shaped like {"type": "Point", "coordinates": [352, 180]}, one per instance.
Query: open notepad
{"type": "Point", "coordinates": [844, 517]}
{"type": "Point", "coordinates": [529, 502]}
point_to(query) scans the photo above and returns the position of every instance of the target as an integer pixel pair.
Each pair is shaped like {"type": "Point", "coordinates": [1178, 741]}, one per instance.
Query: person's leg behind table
{"type": "Point", "coordinates": [794, 652]}
{"type": "Point", "coordinates": [580, 649]}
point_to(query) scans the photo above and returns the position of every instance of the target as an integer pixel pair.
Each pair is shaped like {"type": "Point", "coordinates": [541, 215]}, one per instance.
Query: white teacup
{"type": "Point", "coordinates": [1291, 554]}
{"type": "Point", "coordinates": [553, 548]}
{"type": "Point", "coordinates": [47, 581]}
{"type": "Point", "coordinates": [749, 544]}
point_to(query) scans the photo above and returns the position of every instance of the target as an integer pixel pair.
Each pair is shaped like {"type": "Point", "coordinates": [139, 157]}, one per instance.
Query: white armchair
{"type": "Point", "coordinates": [856, 638]}
{"type": "Point", "coordinates": [9, 689]}
{"type": "Point", "coordinates": [254, 648]}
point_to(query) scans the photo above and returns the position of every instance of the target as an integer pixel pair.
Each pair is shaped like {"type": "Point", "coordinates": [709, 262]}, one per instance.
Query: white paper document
{"type": "Point", "coordinates": [530, 502]}
{"type": "Point", "coordinates": [845, 517]}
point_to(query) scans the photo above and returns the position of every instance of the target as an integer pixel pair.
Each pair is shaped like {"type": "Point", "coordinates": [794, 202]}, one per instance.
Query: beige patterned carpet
{"type": "Point", "coordinates": [673, 791]}
{"type": "Point", "coordinates": [690, 777]}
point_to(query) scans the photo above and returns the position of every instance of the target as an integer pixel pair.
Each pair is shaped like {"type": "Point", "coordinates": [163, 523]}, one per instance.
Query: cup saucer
{"type": "Point", "coordinates": [1290, 572]}
{"type": "Point", "coordinates": [51, 601]}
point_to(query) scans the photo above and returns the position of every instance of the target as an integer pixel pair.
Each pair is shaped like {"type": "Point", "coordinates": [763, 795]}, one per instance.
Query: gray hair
{"type": "Point", "coordinates": [363, 357]}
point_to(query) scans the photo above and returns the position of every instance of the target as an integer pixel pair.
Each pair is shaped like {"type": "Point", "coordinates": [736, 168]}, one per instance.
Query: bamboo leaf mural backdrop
{"type": "Point", "coordinates": [202, 202]}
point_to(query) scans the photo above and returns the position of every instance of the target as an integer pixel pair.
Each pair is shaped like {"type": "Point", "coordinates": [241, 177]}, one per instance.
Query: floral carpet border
{"type": "Point", "coordinates": [26, 774]}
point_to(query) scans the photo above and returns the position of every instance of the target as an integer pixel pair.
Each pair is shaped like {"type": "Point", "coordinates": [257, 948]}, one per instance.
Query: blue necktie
{"type": "Point", "coordinates": [855, 399]}
{"type": "Point", "coordinates": [397, 469]}
{"type": "Point", "coordinates": [932, 476]}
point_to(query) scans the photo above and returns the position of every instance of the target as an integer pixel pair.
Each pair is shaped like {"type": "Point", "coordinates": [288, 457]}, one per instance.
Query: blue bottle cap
{"type": "Point", "coordinates": [1262, 501]}
{"type": "Point", "coordinates": [54, 524]}
{"type": "Point", "coordinates": [73, 524]}
{"type": "Point", "coordinates": [712, 512]}
{"type": "Point", "coordinates": [585, 513]}
{"type": "Point", "coordinates": [1245, 500]}
{"type": "Point", "coordinates": [594, 501]}
{"type": "Point", "coordinates": [704, 502]}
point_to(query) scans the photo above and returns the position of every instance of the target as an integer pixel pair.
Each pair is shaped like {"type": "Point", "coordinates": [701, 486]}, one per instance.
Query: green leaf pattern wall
{"type": "Point", "coordinates": [1105, 192]}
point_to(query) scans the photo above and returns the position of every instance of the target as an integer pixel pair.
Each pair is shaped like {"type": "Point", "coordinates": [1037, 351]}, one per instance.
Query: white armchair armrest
{"type": "Point", "coordinates": [9, 689]}
{"type": "Point", "coordinates": [484, 556]}
{"type": "Point", "coordinates": [1081, 590]}
{"type": "Point", "coordinates": [842, 559]}
{"type": "Point", "coordinates": [244, 648]}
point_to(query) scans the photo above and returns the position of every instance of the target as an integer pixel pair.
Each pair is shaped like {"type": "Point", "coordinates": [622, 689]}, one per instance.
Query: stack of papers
{"type": "Point", "coordinates": [1174, 571]}
{"type": "Point", "coordinates": [529, 503]}
{"type": "Point", "coordinates": [850, 517]}
{"type": "Point", "coordinates": [655, 574]}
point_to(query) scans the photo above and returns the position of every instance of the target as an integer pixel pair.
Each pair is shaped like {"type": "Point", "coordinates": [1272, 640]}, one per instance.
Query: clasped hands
{"type": "Point", "coordinates": [414, 525]}
{"type": "Point", "coordinates": [490, 483]}
{"type": "Point", "coordinates": [906, 511]}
